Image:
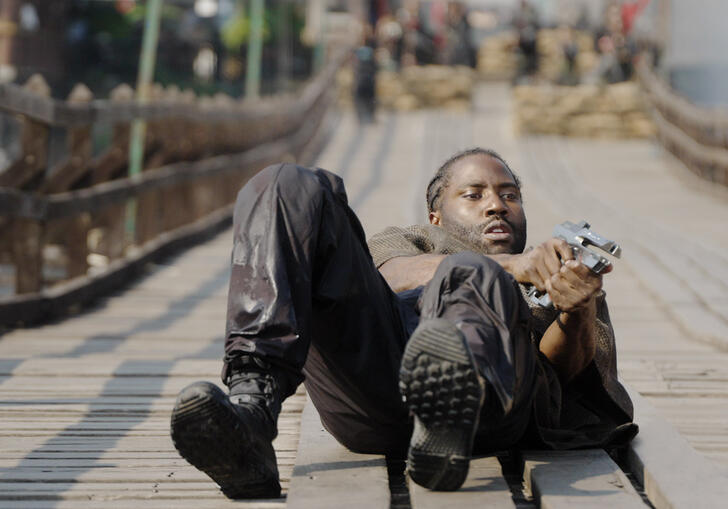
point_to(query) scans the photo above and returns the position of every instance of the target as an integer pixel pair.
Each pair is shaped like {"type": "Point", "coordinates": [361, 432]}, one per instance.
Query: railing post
{"type": "Point", "coordinates": [77, 245]}
{"type": "Point", "coordinates": [27, 254]}
{"type": "Point", "coordinates": [114, 163]}
{"type": "Point", "coordinates": [188, 144]}
{"type": "Point", "coordinates": [26, 172]}
{"type": "Point", "coordinates": [72, 232]}
{"type": "Point", "coordinates": [75, 168]}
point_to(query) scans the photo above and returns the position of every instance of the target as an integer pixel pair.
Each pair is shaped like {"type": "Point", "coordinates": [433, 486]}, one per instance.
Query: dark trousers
{"type": "Point", "coordinates": [306, 296]}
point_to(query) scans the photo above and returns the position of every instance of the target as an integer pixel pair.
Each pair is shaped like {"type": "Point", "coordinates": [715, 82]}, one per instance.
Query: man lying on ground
{"type": "Point", "coordinates": [435, 313]}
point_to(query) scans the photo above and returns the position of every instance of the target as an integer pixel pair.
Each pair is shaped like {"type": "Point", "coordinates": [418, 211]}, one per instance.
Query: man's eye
{"type": "Point", "coordinates": [473, 196]}
{"type": "Point", "coordinates": [509, 196]}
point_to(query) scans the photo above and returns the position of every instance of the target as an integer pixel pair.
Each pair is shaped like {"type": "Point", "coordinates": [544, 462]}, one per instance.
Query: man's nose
{"type": "Point", "coordinates": [495, 205]}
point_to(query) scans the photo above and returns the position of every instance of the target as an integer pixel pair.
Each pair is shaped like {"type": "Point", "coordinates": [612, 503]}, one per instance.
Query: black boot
{"type": "Point", "coordinates": [444, 391]}
{"type": "Point", "coordinates": [230, 437]}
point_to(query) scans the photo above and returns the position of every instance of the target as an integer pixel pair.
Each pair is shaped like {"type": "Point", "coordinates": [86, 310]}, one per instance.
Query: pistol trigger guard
{"type": "Point", "coordinates": [542, 299]}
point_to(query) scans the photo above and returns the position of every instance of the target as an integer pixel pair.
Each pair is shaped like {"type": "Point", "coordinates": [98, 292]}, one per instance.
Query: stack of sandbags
{"type": "Point", "coordinates": [431, 86]}
{"type": "Point", "coordinates": [425, 87]}
{"type": "Point", "coordinates": [609, 111]}
{"type": "Point", "coordinates": [550, 44]}
{"type": "Point", "coordinates": [497, 57]}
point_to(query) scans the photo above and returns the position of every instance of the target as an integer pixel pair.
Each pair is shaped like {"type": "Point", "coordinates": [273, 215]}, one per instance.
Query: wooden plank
{"type": "Point", "coordinates": [566, 479]}
{"type": "Point", "coordinates": [110, 502]}
{"type": "Point", "coordinates": [484, 487]}
{"type": "Point", "coordinates": [672, 472]}
{"type": "Point", "coordinates": [328, 476]}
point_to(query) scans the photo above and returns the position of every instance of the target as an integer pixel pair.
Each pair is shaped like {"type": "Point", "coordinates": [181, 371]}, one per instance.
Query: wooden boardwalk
{"type": "Point", "coordinates": [85, 402]}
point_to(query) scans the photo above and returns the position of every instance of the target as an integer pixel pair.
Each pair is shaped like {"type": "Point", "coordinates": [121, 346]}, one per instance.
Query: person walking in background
{"type": "Point", "coordinates": [365, 77]}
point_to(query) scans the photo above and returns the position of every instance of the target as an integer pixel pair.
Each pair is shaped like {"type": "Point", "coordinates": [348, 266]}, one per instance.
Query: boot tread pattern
{"type": "Point", "coordinates": [441, 387]}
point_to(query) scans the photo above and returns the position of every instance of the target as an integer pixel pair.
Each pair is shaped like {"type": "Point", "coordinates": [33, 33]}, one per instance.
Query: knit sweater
{"type": "Point", "coordinates": [594, 406]}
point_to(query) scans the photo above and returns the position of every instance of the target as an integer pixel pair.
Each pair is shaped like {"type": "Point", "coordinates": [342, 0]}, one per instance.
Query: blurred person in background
{"type": "Point", "coordinates": [459, 49]}
{"type": "Point", "coordinates": [365, 74]}
{"type": "Point", "coordinates": [408, 16]}
{"type": "Point", "coordinates": [570, 47]}
{"type": "Point", "coordinates": [389, 35]}
{"type": "Point", "coordinates": [526, 25]}
{"type": "Point", "coordinates": [614, 43]}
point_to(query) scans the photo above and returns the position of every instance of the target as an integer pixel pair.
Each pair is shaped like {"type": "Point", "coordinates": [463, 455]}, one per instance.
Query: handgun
{"type": "Point", "coordinates": [580, 237]}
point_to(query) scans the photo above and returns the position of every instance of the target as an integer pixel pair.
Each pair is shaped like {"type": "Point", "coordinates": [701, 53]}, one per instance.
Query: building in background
{"type": "Point", "coordinates": [32, 36]}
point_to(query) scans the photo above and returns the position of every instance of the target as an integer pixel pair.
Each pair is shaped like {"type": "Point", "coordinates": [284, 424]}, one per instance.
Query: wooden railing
{"type": "Point", "coordinates": [198, 153]}
{"type": "Point", "coordinates": [696, 135]}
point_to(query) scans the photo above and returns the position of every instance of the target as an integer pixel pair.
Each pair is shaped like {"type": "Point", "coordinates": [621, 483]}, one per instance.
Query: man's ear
{"type": "Point", "coordinates": [435, 218]}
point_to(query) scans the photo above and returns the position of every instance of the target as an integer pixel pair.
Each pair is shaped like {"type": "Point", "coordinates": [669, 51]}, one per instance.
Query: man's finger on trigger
{"type": "Point", "coordinates": [576, 266]}
{"type": "Point", "coordinates": [564, 250]}
{"type": "Point", "coordinates": [553, 263]}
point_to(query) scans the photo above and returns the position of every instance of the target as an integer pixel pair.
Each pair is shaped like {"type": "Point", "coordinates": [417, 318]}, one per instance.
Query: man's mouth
{"type": "Point", "coordinates": [498, 231]}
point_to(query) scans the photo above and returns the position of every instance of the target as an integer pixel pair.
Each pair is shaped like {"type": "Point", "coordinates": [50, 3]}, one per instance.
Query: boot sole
{"type": "Point", "coordinates": [442, 388]}
{"type": "Point", "coordinates": [209, 434]}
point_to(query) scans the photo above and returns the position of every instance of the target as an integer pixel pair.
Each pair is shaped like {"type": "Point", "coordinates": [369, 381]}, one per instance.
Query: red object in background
{"type": "Point", "coordinates": [124, 6]}
{"type": "Point", "coordinates": [438, 20]}
{"type": "Point", "coordinates": [629, 12]}
{"type": "Point", "coordinates": [383, 7]}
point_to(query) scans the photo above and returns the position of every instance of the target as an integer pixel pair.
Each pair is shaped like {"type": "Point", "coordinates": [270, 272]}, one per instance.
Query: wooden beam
{"type": "Point", "coordinates": [484, 487]}
{"type": "Point", "coordinates": [328, 476]}
{"type": "Point", "coordinates": [589, 478]}
{"type": "Point", "coordinates": [673, 473]}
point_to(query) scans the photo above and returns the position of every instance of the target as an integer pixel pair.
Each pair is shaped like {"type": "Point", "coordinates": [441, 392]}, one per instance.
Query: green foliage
{"type": "Point", "coordinates": [169, 12]}
{"type": "Point", "coordinates": [235, 32]}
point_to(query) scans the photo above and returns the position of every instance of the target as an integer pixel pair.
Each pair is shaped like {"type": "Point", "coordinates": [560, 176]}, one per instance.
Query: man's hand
{"type": "Point", "coordinates": [569, 343]}
{"type": "Point", "coordinates": [574, 286]}
{"type": "Point", "coordinates": [537, 265]}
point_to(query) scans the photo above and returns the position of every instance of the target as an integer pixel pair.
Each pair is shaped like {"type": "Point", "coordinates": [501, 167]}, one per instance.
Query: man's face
{"type": "Point", "coordinates": [482, 206]}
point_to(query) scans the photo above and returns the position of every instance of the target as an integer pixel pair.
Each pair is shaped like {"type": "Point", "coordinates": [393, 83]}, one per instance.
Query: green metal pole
{"type": "Point", "coordinates": [255, 49]}
{"type": "Point", "coordinates": [319, 50]}
{"type": "Point", "coordinates": [284, 45]}
{"type": "Point", "coordinates": [147, 61]}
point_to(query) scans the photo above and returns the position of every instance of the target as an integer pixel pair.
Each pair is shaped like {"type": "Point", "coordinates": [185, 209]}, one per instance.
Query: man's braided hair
{"type": "Point", "coordinates": [442, 177]}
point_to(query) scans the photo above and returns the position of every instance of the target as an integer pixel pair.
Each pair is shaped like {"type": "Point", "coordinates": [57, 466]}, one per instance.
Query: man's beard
{"type": "Point", "coordinates": [472, 236]}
